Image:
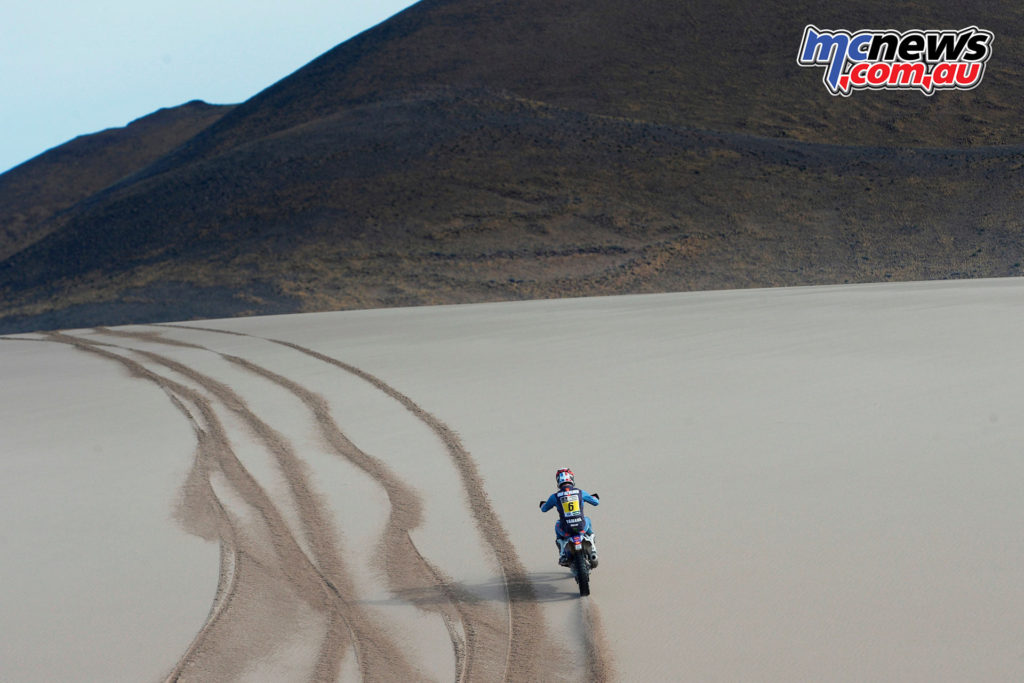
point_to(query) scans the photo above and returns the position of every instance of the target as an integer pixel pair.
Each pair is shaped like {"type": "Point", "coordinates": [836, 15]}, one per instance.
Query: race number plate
{"type": "Point", "coordinates": [571, 505]}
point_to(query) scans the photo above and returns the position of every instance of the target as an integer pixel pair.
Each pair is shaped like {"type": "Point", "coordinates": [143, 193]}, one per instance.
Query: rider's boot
{"type": "Point", "coordinates": [563, 557]}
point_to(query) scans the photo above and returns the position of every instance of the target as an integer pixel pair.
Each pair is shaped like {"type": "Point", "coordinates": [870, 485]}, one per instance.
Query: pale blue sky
{"type": "Point", "coordinates": [73, 67]}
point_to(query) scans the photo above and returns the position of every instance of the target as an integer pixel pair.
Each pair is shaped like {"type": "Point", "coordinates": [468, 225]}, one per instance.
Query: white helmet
{"type": "Point", "coordinates": [564, 476]}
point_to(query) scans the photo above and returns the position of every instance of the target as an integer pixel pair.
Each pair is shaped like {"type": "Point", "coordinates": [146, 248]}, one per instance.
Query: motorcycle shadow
{"type": "Point", "coordinates": [553, 586]}
{"type": "Point", "coordinates": [534, 587]}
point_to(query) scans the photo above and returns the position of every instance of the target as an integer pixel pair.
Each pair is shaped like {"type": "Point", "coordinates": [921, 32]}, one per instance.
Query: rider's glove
{"type": "Point", "coordinates": [542, 503]}
{"type": "Point", "coordinates": [596, 496]}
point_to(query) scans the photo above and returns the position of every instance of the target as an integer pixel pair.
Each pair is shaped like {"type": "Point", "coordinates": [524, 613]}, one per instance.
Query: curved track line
{"type": "Point", "coordinates": [519, 589]}
{"type": "Point", "coordinates": [528, 645]}
{"type": "Point", "coordinates": [296, 567]}
{"type": "Point", "coordinates": [213, 447]}
{"type": "Point", "coordinates": [406, 568]}
{"type": "Point", "coordinates": [229, 556]}
{"type": "Point", "coordinates": [229, 552]}
{"type": "Point", "coordinates": [406, 514]}
{"type": "Point", "coordinates": [527, 638]}
{"type": "Point", "coordinates": [376, 655]}
{"type": "Point", "coordinates": [523, 654]}
{"type": "Point", "coordinates": [600, 665]}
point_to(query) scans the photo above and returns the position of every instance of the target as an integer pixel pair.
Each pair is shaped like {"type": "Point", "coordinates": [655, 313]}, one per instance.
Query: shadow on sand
{"type": "Point", "coordinates": [536, 587]}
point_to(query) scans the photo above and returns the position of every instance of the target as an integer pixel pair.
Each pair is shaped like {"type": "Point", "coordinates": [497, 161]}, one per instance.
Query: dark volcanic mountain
{"type": "Point", "coordinates": [469, 151]}
{"type": "Point", "coordinates": [67, 174]}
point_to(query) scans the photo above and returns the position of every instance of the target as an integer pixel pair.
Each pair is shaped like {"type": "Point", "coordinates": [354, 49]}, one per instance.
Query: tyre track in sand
{"type": "Point", "coordinates": [517, 649]}
{"type": "Point", "coordinates": [404, 566]}
{"type": "Point", "coordinates": [223, 648]}
{"type": "Point", "coordinates": [408, 572]}
{"type": "Point", "coordinates": [600, 663]}
{"type": "Point", "coordinates": [529, 651]}
{"type": "Point", "coordinates": [214, 453]}
{"type": "Point", "coordinates": [210, 520]}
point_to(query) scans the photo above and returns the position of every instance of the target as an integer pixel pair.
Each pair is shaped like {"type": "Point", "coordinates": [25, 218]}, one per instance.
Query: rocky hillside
{"type": "Point", "coordinates": [469, 151]}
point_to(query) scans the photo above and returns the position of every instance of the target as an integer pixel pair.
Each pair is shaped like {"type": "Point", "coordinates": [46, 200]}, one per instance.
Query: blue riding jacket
{"type": "Point", "coordinates": [572, 500]}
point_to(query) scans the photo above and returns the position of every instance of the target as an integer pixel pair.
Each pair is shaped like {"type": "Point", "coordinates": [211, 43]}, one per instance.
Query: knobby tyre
{"type": "Point", "coordinates": [582, 573]}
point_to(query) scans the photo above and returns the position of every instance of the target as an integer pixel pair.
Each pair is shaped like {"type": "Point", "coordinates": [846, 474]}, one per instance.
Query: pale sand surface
{"type": "Point", "coordinates": [797, 484]}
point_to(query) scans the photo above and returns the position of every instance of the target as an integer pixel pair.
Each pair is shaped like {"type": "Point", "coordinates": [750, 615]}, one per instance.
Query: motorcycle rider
{"type": "Point", "coordinates": [569, 500]}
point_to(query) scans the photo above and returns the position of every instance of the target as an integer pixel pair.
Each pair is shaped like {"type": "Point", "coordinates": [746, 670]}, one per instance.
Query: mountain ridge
{"type": "Point", "coordinates": [592, 152]}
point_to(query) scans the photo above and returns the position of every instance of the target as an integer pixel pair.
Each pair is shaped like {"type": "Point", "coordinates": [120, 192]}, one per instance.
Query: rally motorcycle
{"type": "Point", "coordinates": [580, 549]}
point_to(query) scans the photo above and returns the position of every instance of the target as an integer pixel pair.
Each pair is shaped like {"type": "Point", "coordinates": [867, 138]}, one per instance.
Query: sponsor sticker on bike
{"type": "Point", "coordinates": [927, 61]}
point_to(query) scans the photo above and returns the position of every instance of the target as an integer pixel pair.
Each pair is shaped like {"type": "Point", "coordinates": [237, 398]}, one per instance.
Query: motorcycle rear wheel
{"type": "Point", "coordinates": [582, 572]}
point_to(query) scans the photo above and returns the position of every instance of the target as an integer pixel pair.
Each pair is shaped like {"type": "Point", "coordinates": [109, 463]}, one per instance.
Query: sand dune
{"type": "Point", "coordinates": [797, 484]}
